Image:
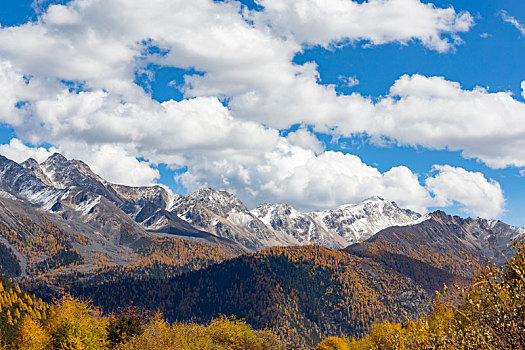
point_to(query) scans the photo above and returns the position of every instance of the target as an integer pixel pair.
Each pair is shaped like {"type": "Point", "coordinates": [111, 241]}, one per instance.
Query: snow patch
{"type": "Point", "coordinates": [85, 207]}
{"type": "Point", "coordinates": [239, 218]}
{"type": "Point", "coordinates": [47, 197]}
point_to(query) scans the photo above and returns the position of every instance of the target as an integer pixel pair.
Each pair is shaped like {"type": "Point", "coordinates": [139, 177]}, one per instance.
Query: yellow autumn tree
{"type": "Point", "coordinates": [333, 343]}
{"type": "Point", "coordinates": [31, 336]}
{"type": "Point", "coordinates": [74, 324]}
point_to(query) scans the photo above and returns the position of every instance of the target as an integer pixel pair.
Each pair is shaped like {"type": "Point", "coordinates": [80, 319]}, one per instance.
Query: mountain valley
{"type": "Point", "coordinates": [304, 275]}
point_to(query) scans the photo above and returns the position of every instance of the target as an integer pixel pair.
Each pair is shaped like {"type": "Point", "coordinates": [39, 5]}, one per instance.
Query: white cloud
{"type": "Point", "coordinates": [115, 164]}
{"type": "Point", "coordinates": [101, 44]}
{"type": "Point", "coordinates": [305, 139]}
{"type": "Point", "coordinates": [61, 15]}
{"type": "Point", "coordinates": [349, 81]}
{"type": "Point", "coordinates": [513, 21]}
{"type": "Point", "coordinates": [471, 190]}
{"type": "Point", "coordinates": [419, 111]}
{"type": "Point", "coordinates": [318, 22]}
{"type": "Point", "coordinates": [439, 114]}
{"type": "Point", "coordinates": [295, 175]}
{"type": "Point", "coordinates": [111, 161]}
{"type": "Point", "coordinates": [523, 89]}
{"type": "Point", "coordinates": [99, 127]}
{"type": "Point", "coordinates": [292, 174]}
{"type": "Point", "coordinates": [17, 151]}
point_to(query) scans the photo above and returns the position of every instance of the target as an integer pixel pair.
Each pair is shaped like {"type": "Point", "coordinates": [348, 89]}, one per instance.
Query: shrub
{"type": "Point", "coordinates": [125, 327]}
{"type": "Point", "coordinates": [333, 343]}
{"type": "Point", "coordinates": [75, 324]}
{"type": "Point", "coordinates": [492, 316]}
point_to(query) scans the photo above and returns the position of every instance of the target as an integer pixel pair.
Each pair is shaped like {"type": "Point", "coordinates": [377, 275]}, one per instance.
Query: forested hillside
{"type": "Point", "coordinates": [301, 293]}
{"type": "Point", "coordinates": [43, 255]}
{"type": "Point", "coordinates": [444, 241]}
{"type": "Point", "coordinates": [65, 229]}
{"type": "Point", "coordinates": [491, 316]}
{"type": "Point", "coordinates": [73, 324]}
{"type": "Point", "coordinates": [15, 304]}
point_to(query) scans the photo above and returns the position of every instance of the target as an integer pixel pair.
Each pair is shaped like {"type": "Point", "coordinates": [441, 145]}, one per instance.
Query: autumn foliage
{"type": "Point", "coordinates": [74, 324]}
{"type": "Point", "coordinates": [492, 316]}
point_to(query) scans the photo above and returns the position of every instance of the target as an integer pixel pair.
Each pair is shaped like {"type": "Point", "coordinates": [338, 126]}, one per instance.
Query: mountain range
{"type": "Point", "coordinates": [68, 189]}
{"type": "Point", "coordinates": [306, 275]}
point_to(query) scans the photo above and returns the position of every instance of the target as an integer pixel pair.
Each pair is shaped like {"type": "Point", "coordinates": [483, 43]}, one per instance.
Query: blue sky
{"type": "Point", "coordinates": [275, 104]}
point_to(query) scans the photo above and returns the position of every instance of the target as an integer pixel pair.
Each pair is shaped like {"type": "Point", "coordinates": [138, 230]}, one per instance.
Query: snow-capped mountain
{"type": "Point", "coordinates": [60, 173]}
{"type": "Point", "coordinates": [301, 226]}
{"type": "Point", "coordinates": [224, 215]}
{"type": "Point", "coordinates": [444, 240]}
{"type": "Point", "coordinates": [337, 227]}
{"type": "Point", "coordinates": [70, 189]}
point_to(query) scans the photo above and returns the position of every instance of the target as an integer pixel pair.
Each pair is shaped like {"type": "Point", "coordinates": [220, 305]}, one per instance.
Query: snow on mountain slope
{"type": "Point", "coordinates": [357, 222]}
{"type": "Point", "coordinates": [339, 227]}
{"type": "Point", "coordinates": [62, 185]}
{"type": "Point", "coordinates": [301, 226]}
{"type": "Point", "coordinates": [217, 212]}
{"type": "Point", "coordinates": [60, 173]}
{"type": "Point", "coordinates": [224, 215]}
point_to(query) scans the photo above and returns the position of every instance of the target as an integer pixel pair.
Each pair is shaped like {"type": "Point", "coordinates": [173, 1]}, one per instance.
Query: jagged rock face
{"type": "Point", "coordinates": [302, 226]}
{"type": "Point", "coordinates": [33, 166]}
{"type": "Point", "coordinates": [339, 227]}
{"type": "Point", "coordinates": [68, 193]}
{"type": "Point", "coordinates": [217, 212]}
{"type": "Point", "coordinates": [444, 241]}
{"type": "Point", "coordinates": [17, 180]}
{"type": "Point", "coordinates": [61, 173]}
{"type": "Point", "coordinates": [224, 215]}
{"type": "Point", "coordinates": [57, 172]}
{"type": "Point", "coordinates": [474, 236]}
{"type": "Point", "coordinates": [219, 202]}
{"type": "Point", "coordinates": [357, 222]}
{"type": "Point", "coordinates": [143, 202]}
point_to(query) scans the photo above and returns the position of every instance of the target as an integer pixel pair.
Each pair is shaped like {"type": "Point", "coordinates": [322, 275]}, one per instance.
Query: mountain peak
{"type": "Point", "coordinates": [207, 194]}
{"type": "Point", "coordinates": [221, 203]}
{"type": "Point", "coordinates": [56, 157]}
{"type": "Point", "coordinates": [29, 162]}
{"type": "Point", "coordinates": [373, 199]}
{"type": "Point", "coordinates": [368, 201]}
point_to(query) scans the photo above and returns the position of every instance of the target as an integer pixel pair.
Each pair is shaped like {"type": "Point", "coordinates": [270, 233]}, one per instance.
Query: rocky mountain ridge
{"type": "Point", "coordinates": [337, 227]}
{"type": "Point", "coordinates": [446, 242]}
{"type": "Point", "coordinates": [58, 183]}
{"type": "Point", "coordinates": [65, 186]}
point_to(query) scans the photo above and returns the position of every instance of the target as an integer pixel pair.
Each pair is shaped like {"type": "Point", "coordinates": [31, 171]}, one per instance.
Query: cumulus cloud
{"type": "Point", "coordinates": [247, 59]}
{"type": "Point", "coordinates": [439, 114]}
{"type": "Point", "coordinates": [471, 190]}
{"type": "Point", "coordinates": [17, 151]}
{"type": "Point", "coordinates": [111, 161]}
{"type": "Point", "coordinates": [292, 174]}
{"type": "Point", "coordinates": [305, 139]}
{"type": "Point", "coordinates": [419, 111]}
{"type": "Point", "coordinates": [295, 175]}
{"type": "Point", "coordinates": [98, 127]}
{"type": "Point", "coordinates": [523, 89]}
{"type": "Point", "coordinates": [318, 22]}
{"type": "Point", "coordinates": [116, 164]}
